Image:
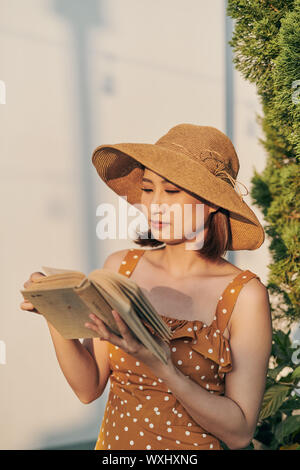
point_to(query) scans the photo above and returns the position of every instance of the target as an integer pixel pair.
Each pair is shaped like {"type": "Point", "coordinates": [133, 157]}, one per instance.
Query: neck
{"type": "Point", "coordinates": [179, 262]}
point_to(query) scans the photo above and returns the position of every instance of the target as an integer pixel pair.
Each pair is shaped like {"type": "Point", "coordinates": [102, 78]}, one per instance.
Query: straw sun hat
{"type": "Point", "coordinates": [199, 159]}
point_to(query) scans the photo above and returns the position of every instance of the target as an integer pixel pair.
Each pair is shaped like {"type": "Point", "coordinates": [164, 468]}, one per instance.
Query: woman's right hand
{"type": "Point", "coordinates": [26, 305]}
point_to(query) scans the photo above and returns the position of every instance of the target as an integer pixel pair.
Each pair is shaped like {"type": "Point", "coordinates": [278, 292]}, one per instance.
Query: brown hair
{"type": "Point", "coordinates": [218, 236]}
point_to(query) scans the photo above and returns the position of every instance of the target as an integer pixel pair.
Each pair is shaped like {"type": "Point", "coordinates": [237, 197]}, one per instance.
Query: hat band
{"type": "Point", "coordinates": [233, 181]}
{"type": "Point", "coordinates": [221, 172]}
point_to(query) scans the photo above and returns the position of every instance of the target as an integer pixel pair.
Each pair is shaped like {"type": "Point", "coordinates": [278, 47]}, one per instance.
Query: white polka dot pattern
{"type": "Point", "coordinates": [141, 411]}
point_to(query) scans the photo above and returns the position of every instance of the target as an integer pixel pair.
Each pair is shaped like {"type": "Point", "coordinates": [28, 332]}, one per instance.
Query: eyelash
{"type": "Point", "coordinates": [167, 191]}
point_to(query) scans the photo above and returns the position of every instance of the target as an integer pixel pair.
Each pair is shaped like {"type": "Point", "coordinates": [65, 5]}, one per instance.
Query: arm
{"type": "Point", "coordinates": [84, 365]}
{"type": "Point", "coordinates": [86, 376]}
{"type": "Point", "coordinates": [76, 363]}
{"type": "Point", "coordinates": [233, 417]}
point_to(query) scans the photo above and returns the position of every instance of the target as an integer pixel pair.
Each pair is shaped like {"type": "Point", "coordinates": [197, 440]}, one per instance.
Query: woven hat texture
{"type": "Point", "coordinates": [199, 159]}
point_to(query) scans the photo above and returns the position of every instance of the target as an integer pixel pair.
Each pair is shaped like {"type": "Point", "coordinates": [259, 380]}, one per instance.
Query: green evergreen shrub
{"type": "Point", "coordinates": [266, 46]}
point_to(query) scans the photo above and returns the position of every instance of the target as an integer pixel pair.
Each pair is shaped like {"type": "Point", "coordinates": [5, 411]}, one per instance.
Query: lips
{"type": "Point", "coordinates": [158, 223]}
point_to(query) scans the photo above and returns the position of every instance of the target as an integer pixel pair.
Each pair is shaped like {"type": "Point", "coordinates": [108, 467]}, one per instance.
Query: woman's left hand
{"type": "Point", "coordinates": [129, 344]}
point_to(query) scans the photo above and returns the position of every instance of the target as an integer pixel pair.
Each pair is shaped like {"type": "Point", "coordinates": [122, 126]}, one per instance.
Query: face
{"type": "Point", "coordinates": [183, 217]}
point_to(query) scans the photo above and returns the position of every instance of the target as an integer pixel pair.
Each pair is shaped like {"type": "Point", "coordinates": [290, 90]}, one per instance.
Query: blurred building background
{"type": "Point", "coordinates": [78, 74]}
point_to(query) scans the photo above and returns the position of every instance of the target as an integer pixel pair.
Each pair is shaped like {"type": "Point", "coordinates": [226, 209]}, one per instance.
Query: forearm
{"type": "Point", "coordinates": [219, 415]}
{"type": "Point", "coordinates": [77, 364]}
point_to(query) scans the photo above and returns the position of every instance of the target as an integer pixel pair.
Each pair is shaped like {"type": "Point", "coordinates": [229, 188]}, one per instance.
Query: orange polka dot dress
{"type": "Point", "coordinates": [141, 411]}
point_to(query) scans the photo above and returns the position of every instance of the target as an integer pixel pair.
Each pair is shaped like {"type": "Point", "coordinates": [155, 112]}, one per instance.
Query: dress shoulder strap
{"type": "Point", "coordinates": [229, 297]}
{"type": "Point", "coordinates": [130, 261]}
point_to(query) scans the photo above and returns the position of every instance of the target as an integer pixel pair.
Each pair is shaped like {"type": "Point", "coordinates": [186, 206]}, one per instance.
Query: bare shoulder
{"type": "Point", "coordinates": [114, 260]}
{"type": "Point", "coordinates": [253, 291]}
{"type": "Point", "coordinates": [252, 307]}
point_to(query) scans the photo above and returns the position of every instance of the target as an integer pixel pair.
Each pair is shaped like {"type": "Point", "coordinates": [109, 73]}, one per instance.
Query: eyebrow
{"type": "Point", "coordinates": [163, 181]}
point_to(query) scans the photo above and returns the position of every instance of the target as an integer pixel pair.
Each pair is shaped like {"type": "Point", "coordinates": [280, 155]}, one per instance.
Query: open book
{"type": "Point", "coordinates": [66, 298]}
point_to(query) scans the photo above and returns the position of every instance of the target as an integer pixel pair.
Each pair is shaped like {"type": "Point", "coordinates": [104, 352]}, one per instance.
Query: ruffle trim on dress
{"type": "Point", "coordinates": [207, 340]}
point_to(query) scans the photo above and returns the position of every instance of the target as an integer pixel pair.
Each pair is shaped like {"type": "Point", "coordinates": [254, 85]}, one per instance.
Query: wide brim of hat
{"type": "Point", "coordinates": [119, 167]}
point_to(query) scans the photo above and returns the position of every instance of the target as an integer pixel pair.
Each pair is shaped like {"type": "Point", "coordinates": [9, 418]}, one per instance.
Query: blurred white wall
{"type": "Point", "coordinates": [77, 75]}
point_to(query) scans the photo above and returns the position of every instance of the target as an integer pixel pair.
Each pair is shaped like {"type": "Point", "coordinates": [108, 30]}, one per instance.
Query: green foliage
{"type": "Point", "coordinates": [266, 44]}
{"type": "Point", "coordinates": [255, 40]}
{"type": "Point", "coordinates": [278, 424]}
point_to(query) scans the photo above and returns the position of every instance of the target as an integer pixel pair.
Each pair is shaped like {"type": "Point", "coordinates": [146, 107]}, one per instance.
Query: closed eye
{"type": "Point", "coordinates": [167, 190]}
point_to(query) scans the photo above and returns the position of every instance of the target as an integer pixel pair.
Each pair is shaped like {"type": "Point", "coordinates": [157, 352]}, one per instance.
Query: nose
{"type": "Point", "coordinates": [156, 196]}
{"type": "Point", "coordinates": [158, 211]}
{"type": "Point", "coordinates": [158, 207]}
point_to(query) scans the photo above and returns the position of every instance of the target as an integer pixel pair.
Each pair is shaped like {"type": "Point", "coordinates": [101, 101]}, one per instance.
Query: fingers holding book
{"type": "Point", "coordinates": [100, 327]}
{"type": "Point", "coordinates": [33, 277]}
{"type": "Point", "coordinates": [128, 342]}
{"type": "Point", "coordinates": [26, 305]}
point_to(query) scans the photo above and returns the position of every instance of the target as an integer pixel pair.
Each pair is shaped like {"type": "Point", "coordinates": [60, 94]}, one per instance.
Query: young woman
{"type": "Point", "coordinates": [211, 389]}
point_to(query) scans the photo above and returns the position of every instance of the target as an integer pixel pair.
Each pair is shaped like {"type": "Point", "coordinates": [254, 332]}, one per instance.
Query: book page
{"type": "Point", "coordinates": [50, 271]}
{"type": "Point", "coordinates": [64, 310]}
